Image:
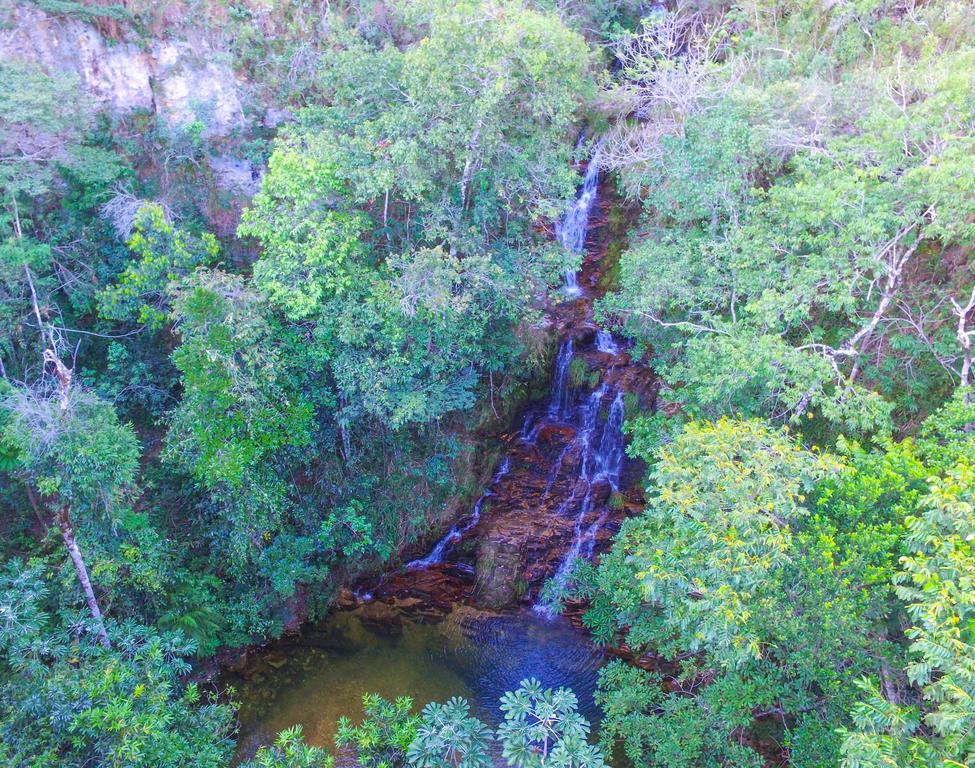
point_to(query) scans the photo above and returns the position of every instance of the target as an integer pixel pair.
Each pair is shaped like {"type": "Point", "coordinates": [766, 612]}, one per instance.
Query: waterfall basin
{"type": "Point", "coordinates": [471, 653]}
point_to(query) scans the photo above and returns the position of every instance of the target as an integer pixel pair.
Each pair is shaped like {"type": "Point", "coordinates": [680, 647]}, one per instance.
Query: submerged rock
{"type": "Point", "coordinates": [381, 618]}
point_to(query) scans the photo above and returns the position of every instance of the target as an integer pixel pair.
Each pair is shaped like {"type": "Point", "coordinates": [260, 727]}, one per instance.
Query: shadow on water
{"type": "Point", "coordinates": [473, 654]}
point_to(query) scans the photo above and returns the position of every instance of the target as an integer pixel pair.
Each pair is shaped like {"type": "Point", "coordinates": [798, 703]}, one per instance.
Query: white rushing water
{"type": "Point", "coordinates": [456, 533]}
{"type": "Point", "coordinates": [606, 343]}
{"type": "Point", "coordinates": [574, 227]}
{"type": "Point", "coordinates": [558, 407]}
{"type": "Point", "coordinates": [606, 459]}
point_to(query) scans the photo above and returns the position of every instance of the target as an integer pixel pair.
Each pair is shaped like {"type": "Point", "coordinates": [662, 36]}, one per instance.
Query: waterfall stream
{"type": "Point", "coordinates": [574, 227]}
{"type": "Point", "coordinates": [456, 533]}
{"type": "Point", "coordinates": [585, 422]}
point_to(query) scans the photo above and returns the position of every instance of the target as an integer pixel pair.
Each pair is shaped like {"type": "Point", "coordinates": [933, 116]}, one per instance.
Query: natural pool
{"type": "Point", "coordinates": [471, 653]}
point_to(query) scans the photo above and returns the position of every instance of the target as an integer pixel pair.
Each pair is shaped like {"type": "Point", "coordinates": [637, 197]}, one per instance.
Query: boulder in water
{"type": "Point", "coordinates": [498, 571]}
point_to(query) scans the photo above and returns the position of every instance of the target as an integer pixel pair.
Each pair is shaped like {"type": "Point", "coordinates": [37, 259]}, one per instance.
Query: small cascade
{"type": "Point", "coordinates": [572, 230]}
{"type": "Point", "coordinates": [588, 414]}
{"type": "Point", "coordinates": [456, 533]}
{"type": "Point", "coordinates": [609, 456]}
{"type": "Point", "coordinates": [559, 404]}
{"type": "Point", "coordinates": [605, 342]}
{"type": "Point", "coordinates": [579, 539]}
{"type": "Point", "coordinates": [607, 461]}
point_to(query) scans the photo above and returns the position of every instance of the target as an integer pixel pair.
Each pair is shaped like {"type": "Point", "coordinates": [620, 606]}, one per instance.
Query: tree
{"type": "Point", "coordinates": [70, 702]}
{"type": "Point", "coordinates": [163, 254]}
{"type": "Point", "coordinates": [935, 582]}
{"type": "Point", "coordinates": [542, 727]}
{"type": "Point", "coordinates": [237, 407]}
{"type": "Point", "coordinates": [311, 240]}
{"type": "Point", "coordinates": [241, 414]}
{"type": "Point", "coordinates": [789, 261]}
{"type": "Point", "coordinates": [756, 565]}
{"type": "Point", "coordinates": [930, 723]}
{"type": "Point", "coordinates": [383, 738]}
{"type": "Point", "coordinates": [449, 737]}
{"type": "Point", "coordinates": [74, 453]}
{"type": "Point", "coordinates": [462, 131]}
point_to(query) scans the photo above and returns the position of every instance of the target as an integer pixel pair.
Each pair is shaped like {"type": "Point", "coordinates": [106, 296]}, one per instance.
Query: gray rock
{"type": "Point", "coordinates": [118, 74]}
{"type": "Point", "coordinates": [180, 80]}
{"type": "Point", "coordinates": [497, 571]}
{"type": "Point", "coordinates": [235, 174]}
{"type": "Point", "coordinates": [191, 84]}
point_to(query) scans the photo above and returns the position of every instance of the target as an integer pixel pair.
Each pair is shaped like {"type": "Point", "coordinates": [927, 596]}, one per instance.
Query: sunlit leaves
{"type": "Point", "coordinates": [163, 254]}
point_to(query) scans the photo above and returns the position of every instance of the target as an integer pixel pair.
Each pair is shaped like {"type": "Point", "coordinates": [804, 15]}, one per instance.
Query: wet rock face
{"type": "Point", "coordinates": [563, 485]}
{"type": "Point", "coordinates": [498, 573]}
{"type": "Point", "coordinates": [179, 80]}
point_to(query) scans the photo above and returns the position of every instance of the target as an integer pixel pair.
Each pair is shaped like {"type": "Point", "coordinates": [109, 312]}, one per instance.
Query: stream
{"type": "Point", "coordinates": [470, 617]}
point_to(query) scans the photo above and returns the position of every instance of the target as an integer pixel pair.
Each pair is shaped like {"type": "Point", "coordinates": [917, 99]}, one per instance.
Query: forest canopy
{"type": "Point", "coordinates": [224, 398]}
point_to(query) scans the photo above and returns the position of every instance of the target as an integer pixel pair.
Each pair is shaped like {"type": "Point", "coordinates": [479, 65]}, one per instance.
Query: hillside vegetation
{"type": "Point", "coordinates": [245, 363]}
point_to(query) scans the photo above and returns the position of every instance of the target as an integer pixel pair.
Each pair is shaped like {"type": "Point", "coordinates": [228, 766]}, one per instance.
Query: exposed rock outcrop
{"type": "Point", "coordinates": [191, 83]}
{"type": "Point", "coordinates": [498, 575]}
{"type": "Point", "coordinates": [180, 80]}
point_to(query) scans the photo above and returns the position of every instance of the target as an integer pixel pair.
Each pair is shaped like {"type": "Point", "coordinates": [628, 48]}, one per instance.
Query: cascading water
{"type": "Point", "coordinates": [577, 435]}
{"type": "Point", "coordinates": [559, 404]}
{"type": "Point", "coordinates": [588, 413]}
{"type": "Point", "coordinates": [456, 533]}
{"type": "Point", "coordinates": [609, 456]}
{"type": "Point", "coordinates": [607, 460]}
{"type": "Point", "coordinates": [572, 230]}
{"type": "Point", "coordinates": [606, 343]}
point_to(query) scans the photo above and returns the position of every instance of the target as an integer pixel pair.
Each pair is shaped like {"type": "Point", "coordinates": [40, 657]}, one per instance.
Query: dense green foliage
{"type": "Point", "coordinates": [802, 210]}
{"type": "Point", "coordinates": [542, 728]}
{"type": "Point", "coordinates": [217, 408]}
{"type": "Point", "coordinates": [803, 259]}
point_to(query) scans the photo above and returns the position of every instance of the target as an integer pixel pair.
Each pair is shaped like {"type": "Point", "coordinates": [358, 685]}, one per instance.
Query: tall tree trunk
{"type": "Point", "coordinates": [964, 336]}
{"type": "Point", "coordinates": [466, 176]}
{"type": "Point", "coordinates": [67, 533]}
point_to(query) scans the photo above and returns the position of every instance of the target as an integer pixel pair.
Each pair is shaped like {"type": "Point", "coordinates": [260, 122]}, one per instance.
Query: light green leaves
{"type": "Point", "coordinates": [311, 239]}
{"type": "Point", "coordinates": [450, 737]}
{"type": "Point", "coordinates": [542, 728]}
{"type": "Point", "coordinates": [163, 254]}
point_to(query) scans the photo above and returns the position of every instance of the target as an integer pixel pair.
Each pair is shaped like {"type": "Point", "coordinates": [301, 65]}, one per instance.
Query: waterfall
{"type": "Point", "coordinates": [572, 230]}
{"type": "Point", "coordinates": [607, 460]}
{"type": "Point", "coordinates": [456, 533]}
{"type": "Point", "coordinates": [597, 446]}
{"type": "Point", "coordinates": [606, 343]}
{"type": "Point", "coordinates": [559, 404]}
{"type": "Point", "coordinates": [589, 412]}
{"type": "Point", "coordinates": [609, 456]}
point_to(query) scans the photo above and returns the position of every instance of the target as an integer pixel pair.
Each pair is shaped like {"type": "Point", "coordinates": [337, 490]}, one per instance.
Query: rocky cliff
{"type": "Point", "coordinates": [180, 80]}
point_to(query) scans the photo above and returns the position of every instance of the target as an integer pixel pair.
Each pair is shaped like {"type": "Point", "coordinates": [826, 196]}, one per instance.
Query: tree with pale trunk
{"type": "Point", "coordinates": [77, 461]}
